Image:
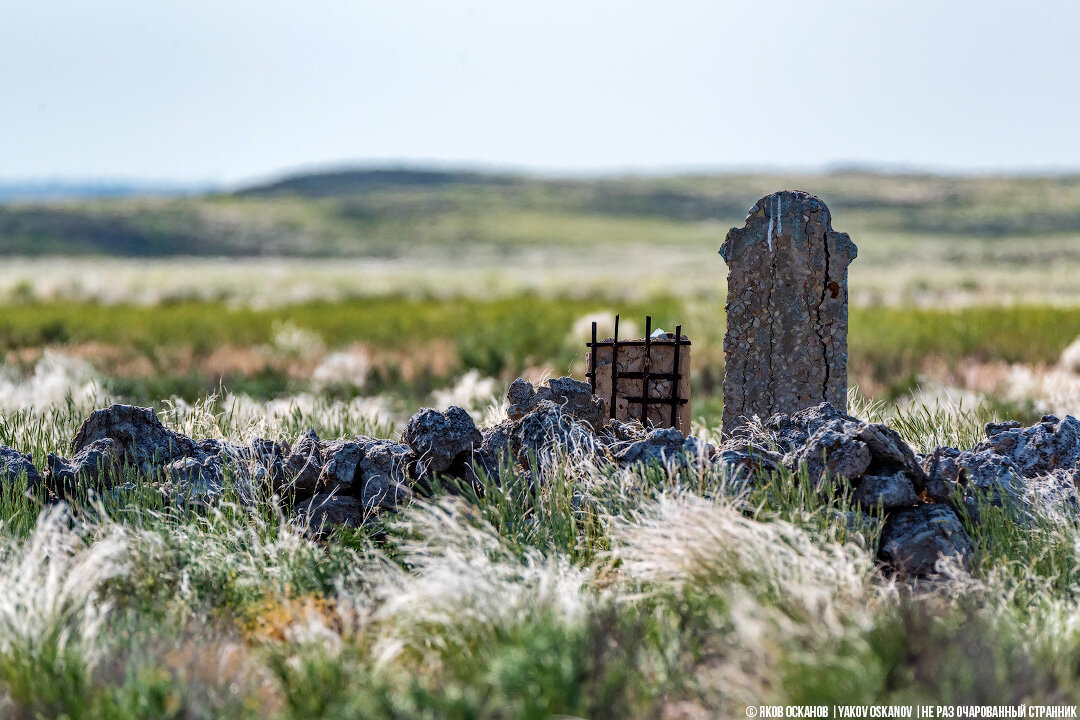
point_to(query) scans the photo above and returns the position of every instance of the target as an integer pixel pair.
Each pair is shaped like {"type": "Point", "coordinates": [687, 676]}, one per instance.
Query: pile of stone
{"type": "Point", "coordinates": [866, 467]}
{"type": "Point", "coordinates": [346, 481]}
{"type": "Point", "coordinates": [924, 496]}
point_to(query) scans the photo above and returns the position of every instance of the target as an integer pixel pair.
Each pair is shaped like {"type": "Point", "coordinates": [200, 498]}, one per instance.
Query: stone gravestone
{"type": "Point", "coordinates": [787, 319]}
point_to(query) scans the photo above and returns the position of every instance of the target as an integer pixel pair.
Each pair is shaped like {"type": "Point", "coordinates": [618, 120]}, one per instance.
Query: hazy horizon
{"type": "Point", "coordinates": [123, 185]}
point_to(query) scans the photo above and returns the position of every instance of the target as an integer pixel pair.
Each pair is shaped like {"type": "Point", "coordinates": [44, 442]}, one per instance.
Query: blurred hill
{"type": "Point", "coordinates": [397, 212]}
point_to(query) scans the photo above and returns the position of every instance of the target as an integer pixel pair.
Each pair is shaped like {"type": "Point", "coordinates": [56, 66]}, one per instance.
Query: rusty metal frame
{"type": "Point", "coordinates": [645, 400]}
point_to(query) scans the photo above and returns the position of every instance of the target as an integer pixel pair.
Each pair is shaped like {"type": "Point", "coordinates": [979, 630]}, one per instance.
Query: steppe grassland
{"type": "Point", "coordinates": [892, 270]}
{"type": "Point", "coordinates": [924, 240]}
{"type": "Point", "coordinates": [592, 593]}
{"type": "Point", "coordinates": [405, 349]}
{"type": "Point", "coordinates": [423, 279]}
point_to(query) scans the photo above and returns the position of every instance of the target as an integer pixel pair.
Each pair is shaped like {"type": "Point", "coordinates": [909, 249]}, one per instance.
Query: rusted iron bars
{"type": "Point", "coordinates": [645, 372]}
{"type": "Point", "coordinates": [614, 366]}
{"type": "Point", "coordinates": [675, 402]}
{"type": "Point", "coordinates": [647, 375]}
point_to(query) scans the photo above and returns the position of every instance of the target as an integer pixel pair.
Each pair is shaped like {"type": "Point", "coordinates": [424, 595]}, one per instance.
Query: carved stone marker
{"type": "Point", "coordinates": [787, 318]}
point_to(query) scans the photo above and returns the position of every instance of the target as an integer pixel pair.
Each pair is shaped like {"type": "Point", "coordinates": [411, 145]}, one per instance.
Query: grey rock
{"type": "Point", "coordinates": [742, 464]}
{"type": "Point", "coordinates": [382, 473]}
{"type": "Point", "coordinates": [97, 466]}
{"type": "Point", "coordinates": [339, 470]}
{"type": "Point", "coordinates": [138, 436]}
{"type": "Point", "coordinates": [441, 440]}
{"type": "Point", "coordinates": [914, 539]}
{"type": "Point", "coordinates": [303, 466]}
{"type": "Point", "coordinates": [324, 513]}
{"type": "Point", "coordinates": [575, 397]}
{"type": "Point", "coordinates": [787, 319]}
{"type": "Point", "coordinates": [665, 446]}
{"type": "Point", "coordinates": [1039, 450]}
{"type": "Point", "coordinates": [888, 491]}
{"type": "Point", "coordinates": [831, 450]}
{"type": "Point", "coordinates": [14, 465]}
{"type": "Point", "coordinates": [953, 474]}
{"type": "Point", "coordinates": [548, 435]}
{"type": "Point", "coordinates": [495, 452]}
{"type": "Point", "coordinates": [791, 432]}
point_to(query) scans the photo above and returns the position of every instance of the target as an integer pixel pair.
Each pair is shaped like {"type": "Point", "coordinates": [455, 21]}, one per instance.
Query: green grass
{"type": "Point", "coordinates": [983, 334]}
{"type": "Point", "coordinates": [889, 348]}
{"type": "Point", "coordinates": [591, 594]}
{"type": "Point", "coordinates": [527, 326]}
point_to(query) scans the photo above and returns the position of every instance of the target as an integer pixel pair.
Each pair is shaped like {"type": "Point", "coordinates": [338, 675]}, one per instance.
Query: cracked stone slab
{"type": "Point", "coordinates": [787, 315]}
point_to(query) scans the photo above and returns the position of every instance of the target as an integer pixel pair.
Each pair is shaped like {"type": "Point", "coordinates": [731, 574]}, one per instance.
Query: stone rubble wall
{"type": "Point", "coordinates": [866, 468]}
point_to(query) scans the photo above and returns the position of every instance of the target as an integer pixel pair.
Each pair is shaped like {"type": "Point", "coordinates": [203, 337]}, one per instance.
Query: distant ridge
{"type": "Point", "coordinates": [347, 182]}
{"type": "Point", "coordinates": [382, 212]}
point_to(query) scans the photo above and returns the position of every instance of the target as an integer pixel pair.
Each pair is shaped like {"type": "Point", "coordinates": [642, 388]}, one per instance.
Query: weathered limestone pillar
{"type": "Point", "coordinates": [787, 319]}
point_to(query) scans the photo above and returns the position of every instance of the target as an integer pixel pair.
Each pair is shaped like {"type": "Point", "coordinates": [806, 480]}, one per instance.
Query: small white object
{"type": "Point", "coordinates": [772, 222]}
{"type": "Point", "coordinates": [658, 333]}
{"type": "Point", "coordinates": [776, 219]}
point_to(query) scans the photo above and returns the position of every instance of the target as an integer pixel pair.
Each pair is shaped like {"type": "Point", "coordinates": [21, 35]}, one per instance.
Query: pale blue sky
{"type": "Point", "coordinates": [226, 90]}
